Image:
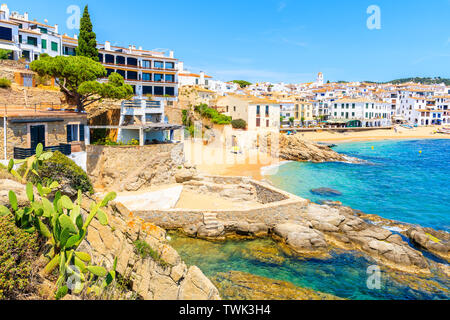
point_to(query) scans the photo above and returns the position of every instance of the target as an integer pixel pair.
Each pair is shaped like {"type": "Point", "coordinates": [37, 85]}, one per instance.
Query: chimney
{"type": "Point", "coordinates": [5, 9]}
{"type": "Point", "coordinates": [140, 48]}
{"type": "Point", "coordinates": [130, 48]}
{"type": "Point", "coordinates": [180, 66]}
{"type": "Point", "coordinates": [25, 16]}
{"type": "Point", "coordinates": [75, 36]}
{"type": "Point", "coordinates": [56, 28]}
{"type": "Point", "coordinates": [202, 78]}
{"type": "Point", "coordinates": [107, 46]}
{"type": "Point", "coordinates": [171, 54]}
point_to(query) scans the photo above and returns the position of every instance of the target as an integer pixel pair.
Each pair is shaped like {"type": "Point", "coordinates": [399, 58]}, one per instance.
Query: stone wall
{"type": "Point", "coordinates": [21, 96]}
{"type": "Point", "coordinates": [18, 134]}
{"type": "Point", "coordinates": [268, 213]}
{"type": "Point", "coordinates": [131, 168]}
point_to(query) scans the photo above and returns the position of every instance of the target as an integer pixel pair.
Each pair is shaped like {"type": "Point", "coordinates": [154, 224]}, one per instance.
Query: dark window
{"type": "Point", "coordinates": [6, 33]}
{"type": "Point", "coordinates": [170, 65]}
{"type": "Point", "coordinates": [258, 110]}
{"type": "Point", "coordinates": [43, 30]}
{"type": "Point", "coordinates": [132, 61]}
{"type": "Point", "coordinates": [147, 76]}
{"type": "Point", "coordinates": [121, 72]}
{"type": "Point", "coordinates": [170, 91]}
{"type": "Point", "coordinates": [134, 89]}
{"type": "Point", "coordinates": [100, 57]}
{"type": "Point", "coordinates": [170, 78]}
{"type": "Point", "coordinates": [159, 91]}
{"type": "Point", "coordinates": [132, 75]}
{"type": "Point", "coordinates": [109, 71]}
{"type": "Point", "coordinates": [120, 60]}
{"type": "Point", "coordinates": [258, 122]}
{"type": "Point", "coordinates": [159, 64]}
{"type": "Point", "coordinates": [147, 90]}
{"type": "Point", "coordinates": [158, 77]}
{"type": "Point", "coordinates": [32, 41]}
{"type": "Point", "coordinates": [20, 38]}
{"type": "Point", "coordinates": [109, 58]}
{"type": "Point", "coordinates": [69, 51]}
{"type": "Point", "coordinates": [267, 110]}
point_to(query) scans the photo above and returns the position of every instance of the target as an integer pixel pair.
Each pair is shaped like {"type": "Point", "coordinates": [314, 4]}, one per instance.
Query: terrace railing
{"type": "Point", "coordinates": [23, 153]}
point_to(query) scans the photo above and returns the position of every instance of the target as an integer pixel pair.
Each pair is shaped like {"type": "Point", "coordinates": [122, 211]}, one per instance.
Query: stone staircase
{"type": "Point", "coordinates": [212, 225]}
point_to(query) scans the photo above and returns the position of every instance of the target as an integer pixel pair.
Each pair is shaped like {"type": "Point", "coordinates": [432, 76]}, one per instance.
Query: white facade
{"type": "Point", "coordinates": [27, 39]}
{"type": "Point", "coordinates": [368, 113]}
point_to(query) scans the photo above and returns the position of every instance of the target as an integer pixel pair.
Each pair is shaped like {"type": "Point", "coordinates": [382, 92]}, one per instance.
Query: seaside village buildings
{"type": "Point", "coordinates": [163, 86]}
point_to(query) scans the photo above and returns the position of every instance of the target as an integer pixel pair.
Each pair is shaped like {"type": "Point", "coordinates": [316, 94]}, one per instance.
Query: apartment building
{"type": "Point", "coordinates": [349, 112]}
{"type": "Point", "coordinates": [150, 73]}
{"type": "Point", "coordinates": [25, 38]}
{"type": "Point", "coordinates": [259, 113]}
{"type": "Point", "coordinates": [422, 111]}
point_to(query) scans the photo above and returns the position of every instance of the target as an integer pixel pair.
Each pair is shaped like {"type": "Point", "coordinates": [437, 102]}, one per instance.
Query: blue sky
{"type": "Point", "coordinates": [275, 40]}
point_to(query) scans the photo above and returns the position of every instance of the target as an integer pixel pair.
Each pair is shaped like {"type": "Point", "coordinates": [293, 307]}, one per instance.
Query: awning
{"type": "Point", "coordinates": [9, 47]}
{"type": "Point", "coordinates": [161, 127]}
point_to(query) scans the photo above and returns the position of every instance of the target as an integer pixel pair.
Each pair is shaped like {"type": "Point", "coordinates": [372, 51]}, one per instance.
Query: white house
{"type": "Point", "coordinates": [26, 38]}
{"type": "Point", "coordinates": [259, 113]}
{"type": "Point", "coordinates": [360, 113]}
{"type": "Point", "coordinates": [144, 121]}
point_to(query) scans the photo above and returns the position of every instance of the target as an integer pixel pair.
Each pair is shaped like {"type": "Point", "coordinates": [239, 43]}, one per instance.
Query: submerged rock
{"type": "Point", "coordinates": [235, 285]}
{"type": "Point", "coordinates": [327, 192]}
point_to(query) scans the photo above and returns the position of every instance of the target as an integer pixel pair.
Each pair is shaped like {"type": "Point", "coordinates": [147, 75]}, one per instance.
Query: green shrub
{"type": "Point", "coordinates": [5, 83]}
{"type": "Point", "coordinates": [5, 54]}
{"type": "Point", "coordinates": [213, 114]}
{"type": "Point", "coordinates": [63, 170]}
{"type": "Point", "coordinates": [239, 124]}
{"type": "Point", "coordinates": [145, 251]}
{"type": "Point", "coordinates": [18, 250]}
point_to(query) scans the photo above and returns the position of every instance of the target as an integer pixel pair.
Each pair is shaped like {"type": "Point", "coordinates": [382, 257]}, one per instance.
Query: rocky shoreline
{"type": "Point", "coordinates": [322, 228]}
{"type": "Point", "coordinates": [294, 148]}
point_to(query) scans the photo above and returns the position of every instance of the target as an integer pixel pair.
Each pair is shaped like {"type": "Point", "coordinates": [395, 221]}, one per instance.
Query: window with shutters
{"type": "Point", "coordinates": [54, 46]}
{"type": "Point", "coordinates": [44, 44]}
{"type": "Point", "coordinates": [32, 41]}
{"type": "Point", "coordinates": [75, 132]}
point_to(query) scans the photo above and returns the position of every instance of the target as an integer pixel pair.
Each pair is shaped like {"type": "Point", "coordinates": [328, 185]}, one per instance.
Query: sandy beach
{"type": "Point", "coordinates": [373, 135]}
{"type": "Point", "coordinates": [244, 166]}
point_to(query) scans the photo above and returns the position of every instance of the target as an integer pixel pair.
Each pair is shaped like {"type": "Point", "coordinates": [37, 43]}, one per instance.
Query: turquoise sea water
{"type": "Point", "coordinates": [397, 182]}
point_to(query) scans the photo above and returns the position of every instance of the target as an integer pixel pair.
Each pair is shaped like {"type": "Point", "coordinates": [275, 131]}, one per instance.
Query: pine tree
{"type": "Point", "coordinates": [87, 40]}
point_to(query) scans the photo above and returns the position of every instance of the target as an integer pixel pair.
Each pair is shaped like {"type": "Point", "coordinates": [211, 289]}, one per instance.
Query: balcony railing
{"type": "Point", "coordinates": [23, 153]}
{"type": "Point", "coordinates": [139, 67]}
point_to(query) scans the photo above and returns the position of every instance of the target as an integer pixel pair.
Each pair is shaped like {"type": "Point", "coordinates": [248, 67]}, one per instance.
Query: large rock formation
{"type": "Point", "coordinates": [164, 278]}
{"type": "Point", "coordinates": [7, 185]}
{"type": "Point", "coordinates": [294, 148]}
{"type": "Point", "coordinates": [436, 242]}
